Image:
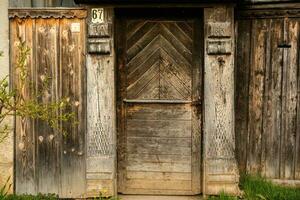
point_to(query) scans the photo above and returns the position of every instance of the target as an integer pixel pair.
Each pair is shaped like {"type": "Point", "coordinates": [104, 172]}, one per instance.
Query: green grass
{"type": "Point", "coordinates": [254, 188]}
{"type": "Point", "coordinates": [222, 196]}
{"type": "Point", "coordinates": [258, 188]}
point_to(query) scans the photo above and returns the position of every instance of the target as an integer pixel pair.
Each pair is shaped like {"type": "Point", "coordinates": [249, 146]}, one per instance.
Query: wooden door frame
{"type": "Point", "coordinates": [197, 178]}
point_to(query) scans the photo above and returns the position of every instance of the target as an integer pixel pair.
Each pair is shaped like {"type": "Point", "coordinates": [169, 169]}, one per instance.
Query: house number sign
{"type": "Point", "coordinates": [97, 15]}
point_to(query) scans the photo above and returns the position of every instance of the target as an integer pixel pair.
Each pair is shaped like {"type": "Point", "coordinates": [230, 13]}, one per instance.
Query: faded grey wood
{"type": "Point", "coordinates": [42, 3]}
{"type": "Point", "coordinates": [241, 98]}
{"type": "Point", "coordinates": [273, 104]}
{"type": "Point", "coordinates": [72, 84]}
{"type": "Point", "coordinates": [47, 150]}
{"type": "Point", "coordinates": [219, 138]}
{"type": "Point", "coordinates": [158, 122]}
{"type": "Point", "coordinates": [101, 119]}
{"type": "Point", "coordinates": [47, 162]}
{"type": "Point", "coordinates": [25, 165]}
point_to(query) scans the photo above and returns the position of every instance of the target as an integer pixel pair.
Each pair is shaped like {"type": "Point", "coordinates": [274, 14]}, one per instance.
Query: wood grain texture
{"type": "Point", "coordinates": [73, 85]}
{"type": "Point", "coordinates": [101, 118]}
{"type": "Point", "coordinates": [47, 153]}
{"type": "Point", "coordinates": [242, 94]}
{"type": "Point", "coordinates": [24, 128]}
{"type": "Point", "coordinates": [47, 162]}
{"type": "Point", "coordinates": [42, 3]}
{"type": "Point", "coordinates": [219, 137]}
{"type": "Point", "coordinates": [158, 139]}
{"type": "Point", "coordinates": [273, 138]}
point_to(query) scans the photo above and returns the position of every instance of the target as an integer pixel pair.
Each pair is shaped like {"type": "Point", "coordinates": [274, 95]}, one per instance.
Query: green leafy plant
{"type": "Point", "coordinates": [24, 101]}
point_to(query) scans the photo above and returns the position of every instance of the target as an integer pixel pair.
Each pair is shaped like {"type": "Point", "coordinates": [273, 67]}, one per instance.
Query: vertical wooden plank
{"type": "Point", "coordinates": [20, 3]}
{"type": "Point", "coordinates": [197, 92]}
{"type": "Point", "coordinates": [121, 88]}
{"type": "Point", "coordinates": [72, 80]}
{"type": "Point", "coordinates": [38, 3]}
{"type": "Point", "coordinates": [101, 124]}
{"type": "Point", "coordinates": [289, 103]}
{"type": "Point", "coordinates": [273, 126]}
{"type": "Point", "coordinates": [242, 91]}
{"type": "Point", "coordinates": [68, 3]}
{"type": "Point", "coordinates": [256, 88]}
{"type": "Point", "coordinates": [297, 151]}
{"type": "Point", "coordinates": [266, 99]}
{"type": "Point", "coordinates": [47, 140]}
{"type": "Point", "coordinates": [24, 131]}
{"type": "Point", "coordinates": [219, 137]}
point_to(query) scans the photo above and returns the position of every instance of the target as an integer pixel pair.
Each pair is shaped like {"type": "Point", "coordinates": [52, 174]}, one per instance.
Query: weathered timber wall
{"type": "Point", "coordinates": [220, 166]}
{"type": "Point", "coordinates": [6, 148]}
{"type": "Point", "coordinates": [46, 161]}
{"type": "Point", "coordinates": [267, 94]}
{"type": "Point", "coordinates": [41, 3]}
{"type": "Point", "coordinates": [101, 113]}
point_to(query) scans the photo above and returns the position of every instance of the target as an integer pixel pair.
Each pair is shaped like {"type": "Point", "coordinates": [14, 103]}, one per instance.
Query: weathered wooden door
{"type": "Point", "coordinates": [45, 160]}
{"type": "Point", "coordinates": [159, 102]}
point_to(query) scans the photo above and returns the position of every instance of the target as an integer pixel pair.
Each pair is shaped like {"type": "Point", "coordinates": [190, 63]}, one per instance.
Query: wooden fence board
{"type": "Point", "coordinates": [47, 161]}
{"type": "Point", "coordinates": [273, 140]}
{"type": "Point", "coordinates": [24, 128]}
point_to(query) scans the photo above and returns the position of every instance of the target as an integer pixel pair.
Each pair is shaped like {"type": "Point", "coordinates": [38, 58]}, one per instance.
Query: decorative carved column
{"type": "Point", "coordinates": [101, 145]}
{"type": "Point", "coordinates": [220, 165]}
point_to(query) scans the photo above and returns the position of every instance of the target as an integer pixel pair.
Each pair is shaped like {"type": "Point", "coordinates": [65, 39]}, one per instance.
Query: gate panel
{"type": "Point", "coordinates": [267, 94]}
{"type": "Point", "coordinates": [46, 161]}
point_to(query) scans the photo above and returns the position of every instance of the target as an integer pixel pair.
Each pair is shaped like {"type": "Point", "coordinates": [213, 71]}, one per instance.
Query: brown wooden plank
{"type": "Point", "coordinates": [48, 159]}
{"type": "Point", "coordinates": [158, 158]}
{"type": "Point", "coordinates": [72, 82]}
{"type": "Point", "coordinates": [141, 38]}
{"type": "Point", "coordinates": [159, 149]}
{"type": "Point", "coordinates": [121, 106]}
{"type": "Point", "coordinates": [290, 93]}
{"type": "Point", "coordinates": [256, 95]}
{"type": "Point", "coordinates": [274, 105]}
{"type": "Point", "coordinates": [297, 152]}
{"type": "Point", "coordinates": [159, 185]}
{"type": "Point", "coordinates": [242, 91]}
{"type": "Point", "coordinates": [25, 170]}
{"type": "Point", "coordinates": [158, 125]}
{"type": "Point", "coordinates": [197, 96]}
{"type": "Point", "coordinates": [153, 141]}
{"type": "Point", "coordinates": [157, 112]}
{"type": "Point", "coordinates": [158, 192]}
{"type": "Point", "coordinates": [158, 175]}
{"type": "Point", "coordinates": [266, 100]}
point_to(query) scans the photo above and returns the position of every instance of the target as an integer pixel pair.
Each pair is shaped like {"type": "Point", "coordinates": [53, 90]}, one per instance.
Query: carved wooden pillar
{"type": "Point", "coordinates": [100, 171]}
{"type": "Point", "coordinates": [220, 166]}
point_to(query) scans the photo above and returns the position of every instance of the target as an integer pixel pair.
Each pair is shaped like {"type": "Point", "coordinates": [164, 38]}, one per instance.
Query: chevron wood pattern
{"type": "Point", "coordinates": [158, 141]}
{"type": "Point", "coordinates": [159, 60]}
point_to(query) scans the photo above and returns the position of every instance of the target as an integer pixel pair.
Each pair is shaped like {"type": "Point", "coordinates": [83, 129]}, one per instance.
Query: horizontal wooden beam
{"type": "Point", "coordinates": [47, 13]}
{"type": "Point", "coordinates": [151, 1]}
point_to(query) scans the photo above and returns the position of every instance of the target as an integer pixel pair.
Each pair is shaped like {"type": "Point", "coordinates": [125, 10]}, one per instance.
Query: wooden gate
{"type": "Point", "coordinates": [159, 106]}
{"type": "Point", "coordinates": [267, 101]}
{"type": "Point", "coordinates": [45, 161]}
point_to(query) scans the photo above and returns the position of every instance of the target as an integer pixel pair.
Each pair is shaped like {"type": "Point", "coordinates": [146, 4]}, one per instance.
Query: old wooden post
{"type": "Point", "coordinates": [220, 166]}
{"type": "Point", "coordinates": [100, 171]}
